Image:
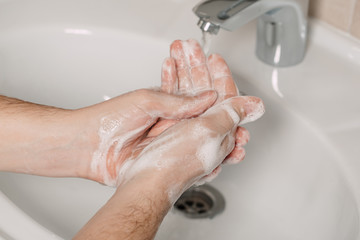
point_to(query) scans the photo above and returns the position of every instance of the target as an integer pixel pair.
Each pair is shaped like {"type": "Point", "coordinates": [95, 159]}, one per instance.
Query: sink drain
{"type": "Point", "coordinates": [201, 202]}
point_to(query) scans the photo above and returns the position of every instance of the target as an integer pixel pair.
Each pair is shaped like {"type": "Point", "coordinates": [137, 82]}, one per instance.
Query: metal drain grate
{"type": "Point", "coordinates": [201, 202]}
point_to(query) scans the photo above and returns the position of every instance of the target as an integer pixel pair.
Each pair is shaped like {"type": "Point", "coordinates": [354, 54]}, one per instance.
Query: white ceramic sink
{"type": "Point", "coordinates": [300, 178]}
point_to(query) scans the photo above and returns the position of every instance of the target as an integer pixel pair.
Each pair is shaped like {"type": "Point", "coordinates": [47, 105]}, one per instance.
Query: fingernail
{"type": "Point", "coordinates": [254, 108]}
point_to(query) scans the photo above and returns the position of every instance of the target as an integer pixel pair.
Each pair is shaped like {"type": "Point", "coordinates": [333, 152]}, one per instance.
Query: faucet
{"type": "Point", "coordinates": [281, 26]}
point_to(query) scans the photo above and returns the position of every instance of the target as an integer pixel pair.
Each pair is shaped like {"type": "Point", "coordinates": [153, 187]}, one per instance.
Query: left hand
{"type": "Point", "coordinates": [116, 130]}
{"type": "Point", "coordinates": [188, 71]}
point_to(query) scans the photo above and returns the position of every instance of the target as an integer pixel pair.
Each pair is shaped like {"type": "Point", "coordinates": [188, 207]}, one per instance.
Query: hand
{"type": "Point", "coordinates": [192, 148]}
{"type": "Point", "coordinates": [116, 130]}
{"type": "Point", "coordinates": [188, 71]}
{"type": "Point", "coordinates": [168, 160]}
{"type": "Point", "coordinates": [166, 167]}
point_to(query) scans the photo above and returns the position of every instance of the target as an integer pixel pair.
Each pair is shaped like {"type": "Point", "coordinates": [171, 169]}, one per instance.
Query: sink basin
{"type": "Point", "coordinates": [300, 177]}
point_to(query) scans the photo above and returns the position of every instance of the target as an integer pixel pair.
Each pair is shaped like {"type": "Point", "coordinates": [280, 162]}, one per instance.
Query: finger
{"type": "Point", "coordinates": [199, 73]}
{"type": "Point", "coordinates": [228, 143]}
{"type": "Point", "coordinates": [236, 156]}
{"type": "Point", "coordinates": [169, 83]}
{"type": "Point", "coordinates": [158, 104]}
{"type": "Point", "coordinates": [234, 111]}
{"type": "Point", "coordinates": [139, 147]}
{"type": "Point", "coordinates": [161, 126]}
{"type": "Point", "coordinates": [191, 65]}
{"type": "Point", "coordinates": [211, 176]}
{"type": "Point", "coordinates": [252, 108]}
{"type": "Point", "coordinates": [242, 136]}
{"type": "Point", "coordinates": [182, 66]}
{"type": "Point", "coordinates": [222, 79]}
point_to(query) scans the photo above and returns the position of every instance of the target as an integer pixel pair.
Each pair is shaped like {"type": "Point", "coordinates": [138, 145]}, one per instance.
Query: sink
{"type": "Point", "coordinates": [299, 179]}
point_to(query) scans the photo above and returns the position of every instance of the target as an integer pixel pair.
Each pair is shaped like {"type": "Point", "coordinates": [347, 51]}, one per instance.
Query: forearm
{"type": "Point", "coordinates": [134, 212]}
{"type": "Point", "coordinates": [35, 139]}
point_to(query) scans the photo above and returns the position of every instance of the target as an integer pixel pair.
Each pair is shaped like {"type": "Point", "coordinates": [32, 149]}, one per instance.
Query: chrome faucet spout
{"type": "Point", "coordinates": [281, 27]}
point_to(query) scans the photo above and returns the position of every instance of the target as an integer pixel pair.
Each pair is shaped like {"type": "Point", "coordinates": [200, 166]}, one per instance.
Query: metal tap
{"type": "Point", "coordinates": [281, 25]}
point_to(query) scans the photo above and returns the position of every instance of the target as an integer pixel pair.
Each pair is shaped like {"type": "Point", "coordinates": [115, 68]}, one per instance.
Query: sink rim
{"type": "Point", "coordinates": [318, 31]}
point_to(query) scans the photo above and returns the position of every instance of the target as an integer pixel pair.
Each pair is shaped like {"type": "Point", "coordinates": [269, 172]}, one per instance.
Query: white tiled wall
{"type": "Point", "coordinates": [343, 14]}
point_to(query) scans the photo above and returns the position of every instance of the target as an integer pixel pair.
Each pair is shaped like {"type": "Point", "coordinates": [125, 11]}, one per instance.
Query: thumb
{"type": "Point", "coordinates": [235, 111]}
{"type": "Point", "coordinates": [180, 106]}
{"type": "Point", "coordinates": [249, 108]}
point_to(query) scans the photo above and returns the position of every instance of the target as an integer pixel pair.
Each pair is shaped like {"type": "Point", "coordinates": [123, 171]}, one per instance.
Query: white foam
{"type": "Point", "coordinates": [109, 134]}
{"type": "Point", "coordinates": [208, 153]}
{"type": "Point", "coordinates": [167, 150]}
{"type": "Point", "coordinates": [150, 158]}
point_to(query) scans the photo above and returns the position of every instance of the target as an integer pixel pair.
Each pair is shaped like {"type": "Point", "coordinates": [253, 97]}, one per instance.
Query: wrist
{"type": "Point", "coordinates": [135, 211]}
{"type": "Point", "coordinates": [171, 182]}
{"type": "Point", "coordinates": [38, 139]}
{"type": "Point", "coordinates": [80, 142]}
{"type": "Point", "coordinates": [59, 151]}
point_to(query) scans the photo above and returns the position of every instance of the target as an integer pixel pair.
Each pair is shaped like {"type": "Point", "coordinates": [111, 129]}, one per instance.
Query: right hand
{"type": "Point", "coordinates": [189, 71]}
{"type": "Point", "coordinates": [192, 148]}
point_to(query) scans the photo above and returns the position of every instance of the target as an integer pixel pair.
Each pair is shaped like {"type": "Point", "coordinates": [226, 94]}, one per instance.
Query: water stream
{"type": "Point", "coordinates": [206, 42]}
